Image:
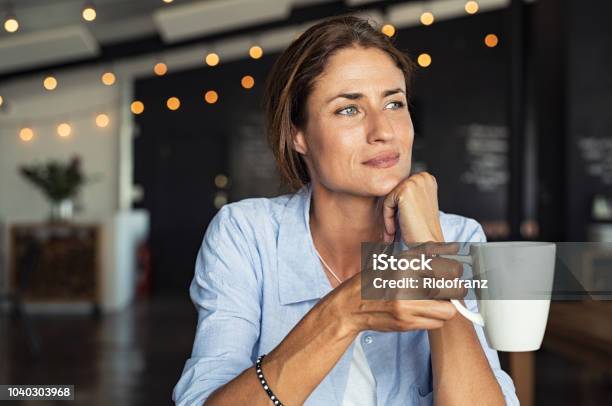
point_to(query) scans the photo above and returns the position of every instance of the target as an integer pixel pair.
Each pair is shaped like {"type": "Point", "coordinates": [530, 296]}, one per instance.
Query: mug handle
{"type": "Point", "coordinates": [475, 318]}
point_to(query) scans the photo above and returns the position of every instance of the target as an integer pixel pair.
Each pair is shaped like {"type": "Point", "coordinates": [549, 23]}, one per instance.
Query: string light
{"type": "Point", "coordinates": [220, 199]}
{"type": "Point", "coordinates": [62, 127]}
{"type": "Point", "coordinates": [50, 83]}
{"type": "Point", "coordinates": [160, 69]}
{"type": "Point", "coordinates": [212, 59]}
{"type": "Point", "coordinates": [11, 24]}
{"type": "Point", "coordinates": [424, 60]}
{"type": "Point", "coordinates": [108, 78]}
{"type": "Point", "coordinates": [64, 130]}
{"type": "Point", "coordinates": [173, 103]}
{"type": "Point", "coordinates": [247, 81]}
{"type": "Point", "coordinates": [388, 30]}
{"type": "Point", "coordinates": [26, 134]}
{"type": "Point", "coordinates": [211, 97]}
{"type": "Point", "coordinates": [102, 120]}
{"type": "Point", "coordinates": [255, 52]}
{"type": "Point", "coordinates": [427, 18]}
{"type": "Point", "coordinates": [471, 7]}
{"type": "Point", "coordinates": [137, 107]}
{"type": "Point", "coordinates": [89, 13]}
{"type": "Point", "coordinates": [221, 181]}
{"type": "Point", "coordinates": [491, 40]}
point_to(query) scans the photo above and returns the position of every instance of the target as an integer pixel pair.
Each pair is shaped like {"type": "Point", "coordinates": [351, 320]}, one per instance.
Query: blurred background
{"type": "Point", "coordinates": [126, 124]}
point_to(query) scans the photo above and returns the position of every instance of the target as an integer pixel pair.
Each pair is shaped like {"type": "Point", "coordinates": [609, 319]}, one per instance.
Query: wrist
{"type": "Point", "coordinates": [339, 323]}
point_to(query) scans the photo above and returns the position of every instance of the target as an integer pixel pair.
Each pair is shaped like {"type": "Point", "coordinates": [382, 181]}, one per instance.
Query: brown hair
{"type": "Point", "coordinates": [291, 80]}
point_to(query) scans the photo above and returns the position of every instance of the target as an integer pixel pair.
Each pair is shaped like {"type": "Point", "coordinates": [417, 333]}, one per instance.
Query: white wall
{"type": "Point", "coordinates": [78, 98]}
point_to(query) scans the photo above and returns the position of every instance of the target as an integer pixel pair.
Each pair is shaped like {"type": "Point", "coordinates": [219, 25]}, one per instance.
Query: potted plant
{"type": "Point", "coordinates": [59, 182]}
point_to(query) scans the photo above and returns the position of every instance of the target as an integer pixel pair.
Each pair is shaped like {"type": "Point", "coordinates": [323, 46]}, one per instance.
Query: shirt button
{"type": "Point", "coordinates": [368, 339]}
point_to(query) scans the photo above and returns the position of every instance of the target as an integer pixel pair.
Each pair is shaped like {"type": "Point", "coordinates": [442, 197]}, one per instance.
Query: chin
{"type": "Point", "coordinates": [380, 185]}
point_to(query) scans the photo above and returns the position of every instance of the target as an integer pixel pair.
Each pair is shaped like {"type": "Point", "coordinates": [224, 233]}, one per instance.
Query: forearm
{"type": "Point", "coordinates": [461, 372]}
{"type": "Point", "coordinates": [296, 366]}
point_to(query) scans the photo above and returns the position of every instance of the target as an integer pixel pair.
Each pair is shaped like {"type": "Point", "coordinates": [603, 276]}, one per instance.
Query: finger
{"type": "Point", "coordinates": [435, 248]}
{"type": "Point", "coordinates": [444, 268]}
{"type": "Point", "coordinates": [389, 208]}
{"type": "Point", "coordinates": [432, 267]}
{"type": "Point", "coordinates": [434, 309]}
{"type": "Point", "coordinates": [422, 323]}
{"type": "Point", "coordinates": [442, 248]}
{"type": "Point", "coordinates": [450, 293]}
{"type": "Point", "coordinates": [385, 322]}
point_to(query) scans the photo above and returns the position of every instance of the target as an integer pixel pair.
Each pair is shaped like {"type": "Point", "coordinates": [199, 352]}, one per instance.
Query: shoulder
{"type": "Point", "coordinates": [251, 216]}
{"type": "Point", "coordinates": [461, 229]}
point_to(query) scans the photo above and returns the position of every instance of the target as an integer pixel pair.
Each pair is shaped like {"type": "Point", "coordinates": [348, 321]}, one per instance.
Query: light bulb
{"type": "Point", "coordinates": [247, 81]}
{"type": "Point", "coordinates": [137, 107]}
{"type": "Point", "coordinates": [89, 13]}
{"type": "Point", "coordinates": [11, 24]}
{"type": "Point", "coordinates": [424, 60]}
{"type": "Point", "coordinates": [388, 30]}
{"type": "Point", "coordinates": [211, 97]}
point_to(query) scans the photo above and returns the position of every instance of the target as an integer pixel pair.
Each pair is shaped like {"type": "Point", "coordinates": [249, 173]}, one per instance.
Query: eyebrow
{"type": "Point", "coordinates": [355, 96]}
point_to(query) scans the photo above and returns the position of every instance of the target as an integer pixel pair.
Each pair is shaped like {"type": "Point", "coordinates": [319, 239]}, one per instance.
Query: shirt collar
{"type": "Point", "coordinates": [301, 276]}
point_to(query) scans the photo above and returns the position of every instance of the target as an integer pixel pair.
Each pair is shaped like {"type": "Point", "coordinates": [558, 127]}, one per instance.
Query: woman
{"type": "Point", "coordinates": [281, 276]}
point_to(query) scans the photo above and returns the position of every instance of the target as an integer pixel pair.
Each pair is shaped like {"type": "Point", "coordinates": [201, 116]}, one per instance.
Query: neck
{"type": "Point", "coordinates": [339, 223]}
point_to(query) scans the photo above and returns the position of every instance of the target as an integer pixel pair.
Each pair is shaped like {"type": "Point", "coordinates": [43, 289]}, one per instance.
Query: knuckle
{"type": "Point", "coordinates": [457, 269]}
{"type": "Point", "coordinates": [437, 324]}
{"type": "Point", "coordinates": [430, 248]}
{"type": "Point", "coordinates": [405, 325]}
{"type": "Point", "coordinates": [451, 311]}
{"type": "Point", "coordinates": [448, 310]}
{"type": "Point", "coordinates": [408, 185]}
{"type": "Point", "coordinates": [396, 308]}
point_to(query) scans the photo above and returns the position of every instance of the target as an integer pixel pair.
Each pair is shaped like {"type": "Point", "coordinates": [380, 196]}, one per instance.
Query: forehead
{"type": "Point", "coordinates": [351, 68]}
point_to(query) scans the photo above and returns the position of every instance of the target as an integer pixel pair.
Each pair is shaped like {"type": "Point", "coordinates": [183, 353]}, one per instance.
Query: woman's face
{"type": "Point", "coordinates": [358, 137]}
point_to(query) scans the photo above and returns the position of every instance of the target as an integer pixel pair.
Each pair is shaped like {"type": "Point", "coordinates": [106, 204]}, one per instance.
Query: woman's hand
{"type": "Point", "coordinates": [345, 304]}
{"type": "Point", "coordinates": [416, 199]}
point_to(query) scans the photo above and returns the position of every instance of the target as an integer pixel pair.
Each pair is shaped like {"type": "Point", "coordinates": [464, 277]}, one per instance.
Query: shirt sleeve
{"type": "Point", "coordinates": [504, 380]}
{"type": "Point", "coordinates": [226, 293]}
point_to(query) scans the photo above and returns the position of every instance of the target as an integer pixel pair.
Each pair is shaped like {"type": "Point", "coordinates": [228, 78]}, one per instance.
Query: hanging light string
{"type": "Point", "coordinates": [101, 112]}
{"type": "Point", "coordinates": [62, 122]}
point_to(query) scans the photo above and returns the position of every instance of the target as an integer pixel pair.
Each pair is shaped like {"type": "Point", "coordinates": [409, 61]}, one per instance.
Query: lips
{"type": "Point", "coordinates": [383, 160]}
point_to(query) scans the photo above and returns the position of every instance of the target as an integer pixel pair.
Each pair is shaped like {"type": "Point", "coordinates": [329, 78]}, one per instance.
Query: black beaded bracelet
{"type": "Point", "coordinates": [263, 382]}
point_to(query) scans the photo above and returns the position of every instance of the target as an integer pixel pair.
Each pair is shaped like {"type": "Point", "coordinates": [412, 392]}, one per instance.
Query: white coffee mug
{"type": "Point", "coordinates": [514, 271]}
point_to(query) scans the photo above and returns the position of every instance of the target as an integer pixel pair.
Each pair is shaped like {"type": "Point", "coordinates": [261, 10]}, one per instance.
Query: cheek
{"type": "Point", "coordinates": [406, 132]}
{"type": "Point", "coordinates": [333, 151]}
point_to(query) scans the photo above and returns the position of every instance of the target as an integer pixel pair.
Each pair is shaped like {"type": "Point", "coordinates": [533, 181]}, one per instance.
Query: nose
{"type": "Point", "coordinates": [379, 127]}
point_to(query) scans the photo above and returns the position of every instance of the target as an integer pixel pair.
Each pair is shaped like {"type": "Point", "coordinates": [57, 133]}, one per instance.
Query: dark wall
{"type": "Point", "coordinates": [179, 153]}
{"type": "Point", "coordinates": [573, 43]}
{"type": "Point", "coordinates": [589, 108]}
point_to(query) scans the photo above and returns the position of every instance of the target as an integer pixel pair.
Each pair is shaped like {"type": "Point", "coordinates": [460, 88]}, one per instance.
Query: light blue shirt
{"type": "Point", "coordinates": [257, 274]}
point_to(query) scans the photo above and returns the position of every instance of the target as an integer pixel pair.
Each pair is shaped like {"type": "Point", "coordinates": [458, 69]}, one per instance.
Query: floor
{"type": "Point", "coordinates": [130, 358]}
{"type": "Point", "coordinates": [135, 358]}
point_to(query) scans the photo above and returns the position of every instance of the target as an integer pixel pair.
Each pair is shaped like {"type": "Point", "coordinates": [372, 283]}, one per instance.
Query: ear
{"type": "Point", "coordinates": [299, 141]}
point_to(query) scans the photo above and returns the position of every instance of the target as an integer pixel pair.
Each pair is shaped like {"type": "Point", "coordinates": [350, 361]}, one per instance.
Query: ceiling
{"type": "Point", "coordinates": [53, 34]}
{"type": "Point", "coordinates": [116, 20]}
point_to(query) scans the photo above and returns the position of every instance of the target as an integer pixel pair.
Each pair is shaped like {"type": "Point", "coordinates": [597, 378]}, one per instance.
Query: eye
{"type": "Point", "coordinates": [348, 111]}
{"type": "Point", "coordinates": [397, 105]}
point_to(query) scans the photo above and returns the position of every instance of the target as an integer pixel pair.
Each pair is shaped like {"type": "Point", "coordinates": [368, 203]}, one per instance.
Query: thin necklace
{"type": "Point", "coordinates": [328, 267]}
